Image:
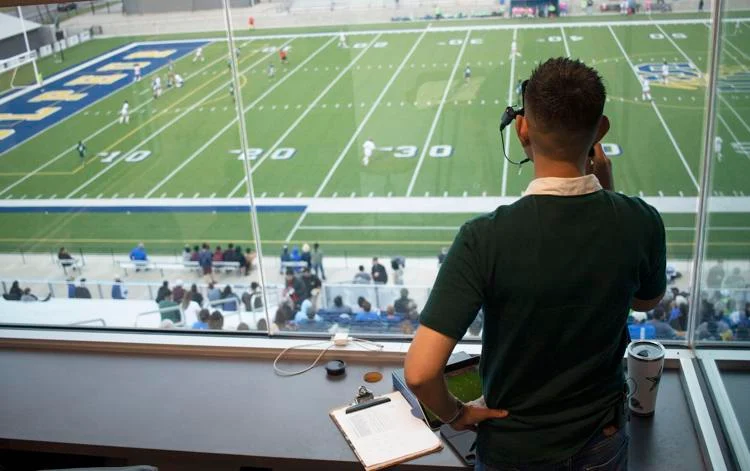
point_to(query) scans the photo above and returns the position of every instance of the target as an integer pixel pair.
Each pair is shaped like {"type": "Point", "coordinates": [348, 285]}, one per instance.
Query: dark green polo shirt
{"type": "Point", "coordinates": [555, 276]}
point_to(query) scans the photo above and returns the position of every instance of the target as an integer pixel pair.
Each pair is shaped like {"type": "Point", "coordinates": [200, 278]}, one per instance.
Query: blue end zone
{"type": "Point", "coordinates": [218, 208]}
{"type": "Point", "coordinates": [85, 86]}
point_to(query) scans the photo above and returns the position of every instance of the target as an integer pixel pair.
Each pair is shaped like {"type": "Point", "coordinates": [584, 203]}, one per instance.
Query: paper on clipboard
{"type": "Point", "coordinates": [386, 434]}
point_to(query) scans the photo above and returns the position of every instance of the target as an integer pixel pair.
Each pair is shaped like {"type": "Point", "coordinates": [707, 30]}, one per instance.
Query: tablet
{"type": "Point", "coordinates": [463, 382]}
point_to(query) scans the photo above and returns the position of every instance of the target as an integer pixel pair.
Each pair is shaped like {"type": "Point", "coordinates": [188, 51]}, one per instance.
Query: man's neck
{"type": "Point", "coordinates": [544, 167]}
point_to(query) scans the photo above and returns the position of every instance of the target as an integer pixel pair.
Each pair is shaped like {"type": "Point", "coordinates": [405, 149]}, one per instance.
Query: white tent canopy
{"type": "Point", "coordinates": [10, 26]}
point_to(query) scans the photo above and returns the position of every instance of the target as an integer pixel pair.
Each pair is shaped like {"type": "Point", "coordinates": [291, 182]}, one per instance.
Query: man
{"type": "Point", "coordinates": [125, 113]}
{"type": "Point", "coordinates": [119, 290]}
{"type": "Point", "coordinates": [663, 330]}
{"type": "Point", "coordinates": [81, 148]}
{"type": "Point", "coordinates": [342, 40]}
{"type": "Point", "coordinates": [379, 275]}
{"type": "Point", "coordinates": [316, 260]}
{"type": "Point", "coordinates": [178, 80]}
{"type": "Point", "coordinates": [404, 305]}
{"type": "Point", "coordinates": [645, 90]}
{"type": "Point", "coordinates": [198, 55]}
{"type": "Point", "coordinates": [554, 333]}
{"type": "Point", "coordinates": [138, 254]}
{"type": "Point", "coordinates": [718, 141]}
{"type": "Point", "coordinates": [282, 56]}
{"type": "Point", "coordinates": [156, 85]}
{"type": "Point", "coordinates": [271, 70]}
{"type": "Point", "coordinates": [368, 148]}
{"type": "Point", "coordinates": [137, 73]}
{"type": "Point", "coordinates": [665, 72]}
{"type": "Point", "coordinates": [362, 277]}
{"type": "Point", "coordinates": [467, 74]}
{"type": "Point", "coordinates": [716, 275]}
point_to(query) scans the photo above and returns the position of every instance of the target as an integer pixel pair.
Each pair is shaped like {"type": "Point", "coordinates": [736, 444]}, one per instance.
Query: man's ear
{"type": "Point", "coordinates": [522, 130]}
{"type": "Point", "coordinates": [603, 128]}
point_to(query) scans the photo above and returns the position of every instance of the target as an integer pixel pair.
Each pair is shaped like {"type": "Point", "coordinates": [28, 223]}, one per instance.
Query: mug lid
{"type": "Point", "coordinates": [646, 350]}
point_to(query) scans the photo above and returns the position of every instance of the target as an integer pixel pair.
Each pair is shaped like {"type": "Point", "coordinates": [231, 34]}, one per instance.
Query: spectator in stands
{"type": "Point", "coordinates": [311, 322]}
{"type": "Point", "coordinates": [65, 258]}
{"type": "Point", "coordinates": [167, 324]}
{"type": "Point", "coordinates": [178, 292]}
{"type": "Point", "coordinates": [216, 321]}
{"type": "Point", "coordinates": [169, 309]}
{"type": "Point", "coordinates": [190, 310]}
{"type": "Point", "coordinates": [410, 323]}
{"type": "Point", "coordinates": [294, 289]}
{"type": "Point", "coordinates": [27, 296]}
{"type": "Point", "coordinates": [218, 255]}
{"type": "Point", "coordinates": [404, 305]}
{"type": "Point", "coordinates": [711, 327]}
{"type": "Point", "coordinates": [138, 254]}
{"type": "Point", "coordinates": [231, 303]}
{"type": "Point", "coordinates": [398, 264]}
{"type": "Point", "coordinates": [295, 255]}
{"type": "Point", "coordinates": [316, 260]}
{"type": "Point", "coordinates": [239, 257]}
{"type": "Point", "coordinates": [284, 314]}
{"type": "Point", "coordinates": [261, 325]}
{"type": "Point", "coordinates": [442, 254]}
{"type": "Point", "coordinates": [186, 255]}
{"type": "Point", "coordinates": [362, 277]}
{"type": "Point", "coordinates": [164, 292]}
{"type": "Point", "coordinates": [286, 257]}
{"type": "Point", "coordinates": [339, 307]}
{"type": "Point", "coordinates": [244, 326]}
{"type": "Point", "coordinates": [203, 317]}
{"type": "Point", "coordinates": [119, 290]}
{"type": "Point", "coordinates": [379, 275]}
{"type": "Point", "coordinates": [735, 281]}
{"type": "Point", "coordinates": [311, 283]}
{"type": "Point", "coordinates": [195, 255]}
{"type": "Point", "coordinates": [250, 257]}
{"type": "Point", "coordinates": [743, 325]}
{"type": "Point", "coordinates": [390, 313]}
{"type": "Point", "coordinates": [716, 275]}
{"type": "Point", "coordinates": [305, 311]}
{"type": "Point", "coordinates": [214, 293]}
{"type": "Point", "coordinates": [206, 261]}
{"type": "Point", "coordinates": [252, 298]}
{"type": "Point", "coordinates": [195, 295]}
{"type": "Point", "coordinates": [15, 292]}
{"type": "Point", "coordinates": [228, 254]}
{"type": "Point", "coordinates": [663, 330]}
{"type": "Point", "coordinates": [306, 256]}
{"type": "Point", "coordinates": [367, 314]}
{"type": "Point", "coordinates": [81, 291]}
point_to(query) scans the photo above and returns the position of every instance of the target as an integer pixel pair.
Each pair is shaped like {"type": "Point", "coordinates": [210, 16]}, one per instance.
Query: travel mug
{"type": "Point", "coordinates": [645, 365]}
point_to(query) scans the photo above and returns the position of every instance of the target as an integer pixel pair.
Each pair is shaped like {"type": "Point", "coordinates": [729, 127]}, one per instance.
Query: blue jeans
{"type": "Point", "coordinates": [601, 453]}
{"type": "Point", "coordinates": [318, 267]}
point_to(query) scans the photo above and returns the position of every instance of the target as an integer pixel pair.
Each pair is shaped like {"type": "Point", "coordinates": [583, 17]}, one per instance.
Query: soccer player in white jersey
{"type": "Point", "coordinates": [665, 72]}
{"type": "Point", "coordinates": [467, 73]}
{"type": "Point", "coordinates": [125, 113]}
{"type": "Point", "coordinates": [157, 86]}
{"type": "Point", "coordinates": [198, 55]}
{"type": "Point", "coordinates": [137, 72]}
{"type": "Point", "coordinates": [271, 70]}
{"type": "Point", "coordinates": [645, 90]}
{"type": "Point", "coordinates": [514, 50]}
{"type": "Point", "coordinates": [342, 40]}
{"type": "Point", "coordinates": [717, 147]}
{"type": "Point", "coordinates": [178, 80]}
{"type": "Point", "coordinates": [368, 148]}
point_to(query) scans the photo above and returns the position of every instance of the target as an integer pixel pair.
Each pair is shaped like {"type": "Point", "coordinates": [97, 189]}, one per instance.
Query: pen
{"type": "Point", "coordinates": [365, 405]}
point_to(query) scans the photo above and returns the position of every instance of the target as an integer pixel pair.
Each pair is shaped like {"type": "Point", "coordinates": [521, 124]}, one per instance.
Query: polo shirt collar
{"type": "Point", "coordinates": [556, 186]}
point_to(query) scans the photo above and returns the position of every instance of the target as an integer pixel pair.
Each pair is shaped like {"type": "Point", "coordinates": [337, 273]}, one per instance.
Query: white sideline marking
{"type": "Point", "coordinates": [90, 136]}
{"type": "Point", "coordinates": [307, 111]}
{"type": "Point", "coordinates": [378, 228]}
{"type": "Point", "coordinates": [658, 113]}
{"type": "Point", "coordinates": [296, 226]}
{"type": "Point", "coordinates": [161, 129]}
{"type": "Point", "coordinates": [504, 185]}
{"type": "Point", "coordinates": [179, 195]}
{"type": "Point", "coordinates": [131, 195]}
{"type": "Point", "coordinates": [196, 195]}
{"type": "Point", "coordinates": [361, 126]}
{"type": "Point", "coordinates": [731, 133]}
{"type": "Point", "coordinates": [437, 115]}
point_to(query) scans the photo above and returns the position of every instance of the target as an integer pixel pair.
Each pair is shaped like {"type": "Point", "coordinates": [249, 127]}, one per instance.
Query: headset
{"type": "Point", "coordinates": [508, 116]}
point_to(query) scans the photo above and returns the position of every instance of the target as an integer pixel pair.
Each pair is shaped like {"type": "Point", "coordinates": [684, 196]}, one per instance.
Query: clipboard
{"type": "Point", "coordinates": [383, 432]}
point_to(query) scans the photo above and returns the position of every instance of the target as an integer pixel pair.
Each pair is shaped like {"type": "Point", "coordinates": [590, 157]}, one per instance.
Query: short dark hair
{"type": "Point", "coordinates": [254, 285]}
{"type": "Point", "coordinates": [566, 95]}
{"type": "Point", "coordinates": [338, 302]}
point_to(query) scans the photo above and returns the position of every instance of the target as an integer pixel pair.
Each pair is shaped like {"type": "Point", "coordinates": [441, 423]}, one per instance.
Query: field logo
{"type": "Point", "coordinates": [682, 75]}
{"type": "Point", "coordinates": [742, 147]}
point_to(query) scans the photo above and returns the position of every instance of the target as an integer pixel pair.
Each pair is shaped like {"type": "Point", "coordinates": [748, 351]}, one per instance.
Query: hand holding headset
{"type": "Point", "coordinates": [508, 116]}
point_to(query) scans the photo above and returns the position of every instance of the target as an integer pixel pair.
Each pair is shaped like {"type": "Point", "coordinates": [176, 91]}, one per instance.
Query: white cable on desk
{"type": "Point", "coordinates": [361, 342]}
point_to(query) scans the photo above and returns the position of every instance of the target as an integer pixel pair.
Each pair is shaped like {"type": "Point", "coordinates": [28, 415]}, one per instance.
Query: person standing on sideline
{"type": "Point", "coordinates": [552, 375]}
{"type": "Point", "coordinates": [316, 258]}
{"type": "Point", "coordinates": [645, 90]}
{"type": "Point", "coordinates": [81, 148]}
{"type": "Point", "coordinates": [718, 142]}
{"type": "Point", "coordinates": [379, 275]}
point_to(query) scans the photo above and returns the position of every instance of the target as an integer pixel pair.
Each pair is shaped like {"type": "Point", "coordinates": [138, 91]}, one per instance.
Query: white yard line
{"type": "Point", "coordinates": [658, 113]}
{"type": "Point", "coordinates": [94, 134]}
{"type": "Point", "coordinates": [380, 228]}
{"type": "Point", "coordinates": [437, 115]}
{"type": "Point", "coordinates": [163, 128]}
{"type": "Point", "coordinates": [565, 41]}
{"type": "Point", "coordinates": [305, 113]}
{"type": "Point", "coordinates": [296, 227]}
{"type": "Point", "coordinates": [731, 133]}
{"type": "Point", "coordinates": [504, 186]}
{"type": "Point", "coordinates": [740, 51]}
{"type": "Point", "coordinates": [372, 109]}
{"type": "Point", "coordinates": [233, 121]}
{"type": "Point", "coordinates": [731, 108]}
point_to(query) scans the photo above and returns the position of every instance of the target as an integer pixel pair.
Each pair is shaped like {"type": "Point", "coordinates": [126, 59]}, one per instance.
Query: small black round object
{"type": "Point", "coordinates": [336, 367]}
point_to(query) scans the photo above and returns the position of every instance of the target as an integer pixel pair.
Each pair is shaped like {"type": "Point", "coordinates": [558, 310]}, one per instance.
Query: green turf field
{"type": "Point", "coordinates": [437, 135]}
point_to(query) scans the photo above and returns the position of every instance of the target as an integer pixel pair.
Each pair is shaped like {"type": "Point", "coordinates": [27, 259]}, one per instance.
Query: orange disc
{"type": "Point", "coordinates": [373, 377]}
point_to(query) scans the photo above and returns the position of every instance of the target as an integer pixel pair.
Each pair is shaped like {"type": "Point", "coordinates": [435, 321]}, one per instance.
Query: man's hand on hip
{"type": "Point", "coordinates": [475, 412]}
